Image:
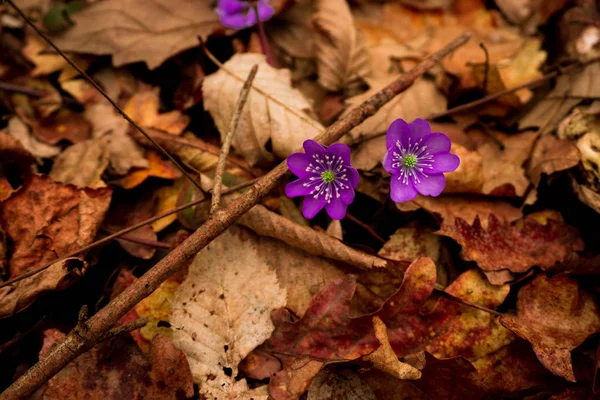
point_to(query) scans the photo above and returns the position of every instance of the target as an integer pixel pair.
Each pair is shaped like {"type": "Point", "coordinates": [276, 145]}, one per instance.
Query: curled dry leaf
{"type": "Point", "coordinates": [263, 119]}
{"type": "Point", "coordinates": [340, 51]}
{"type": "Point", "coordinates": [341, 385]}
{"type": "Point", "coordinates": [515, 247]}
{"type": "Point", "coordinates": [162, 374]}
{"type": "Point", "coordinates": [218, 318]}
{"type": "Point", "coordinates": [551, 155]}
{"type": "Point", "coordinates": [113, 27]}
{"type": "Point", "coordinates": [143, 107]}
{"type": "Point", "coordinates": [587, 196]}
{"type": "Point", "coordinates": [45, 220]}
{"type": "Point", "coordinates": [157, 168]}
{"type": "Point", "coordinates": [555, 315]}
{"type": "Point", "coordinates": [18, 130]}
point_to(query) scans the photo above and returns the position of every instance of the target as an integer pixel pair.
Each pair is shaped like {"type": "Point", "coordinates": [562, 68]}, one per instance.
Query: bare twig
{"type": "Point", "coordinates": [125, 328]}
{"type": "Point", "coordinates": [102, 92]}
{"type": "Point", "coordinates": [9, 87]}
{"type": "Point", "coordinates": [365, 227]}
{"type": "Point", "coordinates": [119, 234]}
{"type": "Point", "coordinates": [138, 240]}
{"type": "Point", "coordinates": [235, 119]}
{"type": "Point", "coordinates": [469, 303]}
{"type": "Point", "coordinates": [78, 342]}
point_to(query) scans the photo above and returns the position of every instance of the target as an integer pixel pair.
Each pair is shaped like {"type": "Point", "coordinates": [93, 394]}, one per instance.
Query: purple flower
{"type": "Point", "coordinates": [326, 179]}
{"type": "Point", "coordinates": [417, 160]}
{"type": "Point", "coordinates": [239, 14]}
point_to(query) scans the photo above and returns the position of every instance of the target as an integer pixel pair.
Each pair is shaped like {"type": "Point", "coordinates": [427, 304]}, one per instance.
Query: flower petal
{"type": "Point", "coordinates": [312, 206]}
{"type": "Point", "coordinates": [237, 21]}
{"type": "Point", "coordinates": [352, 177]}
{"type": "Point", "coordinates": [341, 150]}
{"type": "Point", "coordinates": [297, 188]}
{"type": "Point", "coordinates": [443, 162]}
{"type": "Point", "coordinates": [297, 163]}
{"type": "Point", "coordinates": [231, 6]}
{"type": "Point", "coordinates": [387, 163]}
{"type": "Point", "coordinates": [336, 209]}
{"type": "Point", "coordinates": [419, 128]}
{"type": "Point", "coordinates": [437, 143]}
{"type": "Point", "coordinates": [401, 192]}
{"type": "Point", "coordinates": [347, 195]}
{"type": "Point", "coordinates": [433, 185]}
{"type": "Point", "coordinates": [312, 147]}
{"type": "Point", "coordinates": [265, 11]}
{"type": "Point", "coordinates": [398, 129]}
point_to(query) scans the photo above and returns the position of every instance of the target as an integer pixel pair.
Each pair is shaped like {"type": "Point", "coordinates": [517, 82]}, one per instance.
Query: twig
{"type": "Point", "coordinates": [9, 87]}
{"type": "Point", "coordinates": [119, 234]}
{"type": "Point", "coordinates": [292, 110]}
{"type": "Point", "coordinates": [486, 70]}
{"type": "Point", "coordinates": [75, 343]}
{"type": "Point", "coordinates": [235, 119]}
{"type": "Point", "coordinates": [469, 303]}
{"type": "Point", "coordinates": [125, 328]}
{"type": "Point", "coordinates": [101, 91]}
{"type": "Point", "coordinates": [365, 227]}
{"type": "Point", "coordinates": [138, 240]}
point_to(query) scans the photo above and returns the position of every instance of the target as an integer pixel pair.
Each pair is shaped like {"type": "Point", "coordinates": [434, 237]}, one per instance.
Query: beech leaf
{"type": "Point", "coordinates": [263, 118]}
{"type": "Point", "coordinates": [218, 317]}
{"type": "Point", "coordinates": [138, 30]}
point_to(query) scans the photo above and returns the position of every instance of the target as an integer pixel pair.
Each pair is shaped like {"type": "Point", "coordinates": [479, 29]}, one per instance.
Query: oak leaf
{"type": "Point", "coordinates": [515, 247]}
{"type": "Point", "coordinates": [264, 119]}
{"type": "Point", "coordinates": [138, 30]}
{"type": "Point", "coordinates": [218, 318]}
{"type": "Point", "coordinates": [555, 315]}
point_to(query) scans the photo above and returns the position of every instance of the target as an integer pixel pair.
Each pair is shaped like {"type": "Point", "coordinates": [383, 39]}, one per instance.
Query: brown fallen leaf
{"type": "Point", "coordinates": [218, 318]}
{"type": "Point", "coordinates": [82, 164]}
{"type": "Point", "coordinates": [46, 219]}
{"type": "Point", "coordinates": [263, 119]}
{"type": "Point", "coordinates": [340, 51]}
{"type": "Point", "coordinates": [143, 107]}
{"type": "Point", "coordinates": [162, 35]}
{"type": "Point", "coordinates": [515, 247]}
{"type": "Point", "coordinates": [62, 125]}
{"type": "Point", "coordinates": [18, 130]}
{"type": "Point", "coordinates": [450, 207]}
{"type": "Point", "coordinates": [157, 168]}
{"type": "Point", "coordinates": [409, 243]}
{"type": "Point", "coordinates": [550, 155]}
{"type": "Point", "coordinates": [163, 374]}
{"type": "Point", "coordinates": [13, 156]}
{"type": "Point", "coordinates": [530, 13]}
{"type": "Point", "coordinates": [344, 384]}
{"type": "Point", "coordinates": [555, 315]}
{"type": "Point", "coordinates": [587, 196]}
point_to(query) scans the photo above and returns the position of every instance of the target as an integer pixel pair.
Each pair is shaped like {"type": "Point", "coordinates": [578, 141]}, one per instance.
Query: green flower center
{"type": "Point", "coordinates": [328, 176]}
{"type": "Point", "coordinates": [409, 161]}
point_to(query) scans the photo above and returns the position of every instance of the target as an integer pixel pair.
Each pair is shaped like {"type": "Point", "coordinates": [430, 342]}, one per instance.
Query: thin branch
{"type": "Point", "coordinates": [365, 227]}
{"type": "Point", "coordinates": [102, 92]}
{"type": "Point", "coordinates": [139, 240]}
{"type": "Point", "coordinates": [125, 328]}
{"type": "Point", "coordinates": [78, 342]}
{"type": "Point", "coordinates": [469, 303]}
{"type": "Point", "coordinates": [9, 87]}
{"type": "Point", "coordinates": [120, 234]}
{"type": "Point", "coordinates": [235, 119]}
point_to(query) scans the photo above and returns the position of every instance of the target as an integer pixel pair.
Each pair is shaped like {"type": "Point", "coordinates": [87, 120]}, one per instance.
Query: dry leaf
{"type": "Point", "coordinates": [422, 98]}
{"type": "Point", "coordinates": [82, 164]}
{"type": "Point", "coordinates": [384, 358]}
{"type": "Point", "coordinates": [555, 315]}
{"type": "Point", "coordinates": [587, 196]}
{"type": "Point", "coordinates": [143, 107]}
{"type": "Point", "coordinates": [409, 243]}
{"type": "Point", "coordinates": [114, 27]}
{"type": "Point", "coordinates": [157, 167]}
{"type": "Point", "coordinates": [515, 247]}
{"type": "Point", "coordinates": [263, 119]}
{"type": "Point", "coordinates": [18, 130]}
{"type": "Point", "coordinates": [48, 63]}
{"type": "Point", "coordinates": [13, 155]}
{"type": "Point", "coordinates": [46, 219]}
{"type": "Point", "coordinates": [550, 155]}
{"type": "Point", "coordinates": [342, 385]}
{"type": "Point", "coordinates": [218, 318]}
{"type": "Point", "coordinates": [341, 53]}
{"type": "Point", "coordinates": [162, 374]}
{"type": "Point", "coordinates": [62, 125]}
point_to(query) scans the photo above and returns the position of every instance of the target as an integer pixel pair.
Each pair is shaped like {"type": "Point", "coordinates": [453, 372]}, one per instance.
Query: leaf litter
{"type": "Point", "coordinates": [489, 290]}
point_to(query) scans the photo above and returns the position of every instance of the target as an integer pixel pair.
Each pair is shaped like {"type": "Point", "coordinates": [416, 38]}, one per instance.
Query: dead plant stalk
{"type": "Point", "coordinates": [78, 342]}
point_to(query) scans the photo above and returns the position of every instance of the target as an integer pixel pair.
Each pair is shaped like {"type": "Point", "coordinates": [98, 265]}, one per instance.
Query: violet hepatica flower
{"type": "Point", "coordinates": [239, 14]}
{"type": "Point", "coordinates": [326, 179]}
{"type": "Point", "coordinates": [417, 160]}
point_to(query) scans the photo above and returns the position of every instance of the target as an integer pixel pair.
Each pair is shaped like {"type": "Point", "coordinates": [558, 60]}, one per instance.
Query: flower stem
{"type": "Point", "coordinates": [264, 43]}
